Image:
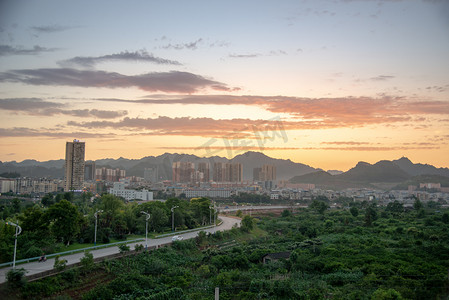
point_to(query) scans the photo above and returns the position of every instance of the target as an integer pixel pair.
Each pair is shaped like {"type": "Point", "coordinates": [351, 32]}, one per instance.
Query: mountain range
{"type": "Point", "coordinates": [286, 169]}
{"type": "Point", "coordinates": [381, 174]}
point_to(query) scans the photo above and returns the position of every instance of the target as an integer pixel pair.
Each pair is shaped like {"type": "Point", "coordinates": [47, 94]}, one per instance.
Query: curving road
{"type": "Point", "coordinates": [37, 267]}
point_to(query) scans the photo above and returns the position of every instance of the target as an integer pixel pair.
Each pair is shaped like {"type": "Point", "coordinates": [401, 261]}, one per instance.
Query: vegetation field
{"type": "Point", "coordinates": [363, 252]}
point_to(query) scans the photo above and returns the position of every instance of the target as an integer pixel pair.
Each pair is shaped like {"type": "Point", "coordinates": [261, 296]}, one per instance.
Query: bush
{"type": "Point", "coordinates": [87, 261]}
{"type": "Point", "coordinates": [16, 278]}
{"type": "Point", "coordinates": [123, 248]}
{"type": "Point", "coordinates": [33, 251]}
{"type": "Point", "coordinates": [60, 264]}
{"type": "Point", "coordinates": [138, 247]}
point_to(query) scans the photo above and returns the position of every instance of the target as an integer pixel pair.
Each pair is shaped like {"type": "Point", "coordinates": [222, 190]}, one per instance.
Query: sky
{"type": "Point", "coordinates": [325, 83]}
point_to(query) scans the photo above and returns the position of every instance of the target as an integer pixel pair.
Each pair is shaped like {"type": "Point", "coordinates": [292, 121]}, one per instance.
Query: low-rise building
{"type": "Point", "coordinates": [120, 191]}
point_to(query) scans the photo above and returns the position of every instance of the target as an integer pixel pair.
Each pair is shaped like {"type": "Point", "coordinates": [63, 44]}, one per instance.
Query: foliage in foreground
{"type": "Point", "coordinates": [392, 254]}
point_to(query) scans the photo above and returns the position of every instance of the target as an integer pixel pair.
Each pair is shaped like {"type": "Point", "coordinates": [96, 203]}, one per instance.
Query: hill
{"type": "Point", "coordinates": [382, 171]}
{"type": "Point", "coordinates": [420, 169]}
{"type": "Point", "coordinates": [135, 167]}
{"type": "Point", "coordinates": [396, 174]}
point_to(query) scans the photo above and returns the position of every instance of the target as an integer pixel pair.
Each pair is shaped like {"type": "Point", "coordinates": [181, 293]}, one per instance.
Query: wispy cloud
{"type": "Point", "coordinates": [345, 143]}
{"type": "Point", "coordinates": [51, 28]}
{"type": "Point", "coordinates": [39, 107]}
{"type": "Point", "coordinates": [329, 112]}
{"type": "Point", "coordinates": [6, 50]}
{"type": "Point", "coordinates": [255, 55]}
{"type": "Point", "coordinates": [374, 148]}
{"type": "Point", "coordinates": [382, 78]}
{"type": "Point", "coordinates": [45, 132]}
{"type": "Point", "coordinates": [171, 82]}
{"type": "Point", "coordinates": [186, 126]}
{"type": "Point", "coordinates": [180, 46]}
{"type": "Point", "coordinates": [251, 55]}
{"type": "Point", "coordinates": [136, 56]}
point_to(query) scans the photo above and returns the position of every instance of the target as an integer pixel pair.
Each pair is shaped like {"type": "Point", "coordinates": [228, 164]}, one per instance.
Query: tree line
{"type": "Point", "coordinates": [62, 219]}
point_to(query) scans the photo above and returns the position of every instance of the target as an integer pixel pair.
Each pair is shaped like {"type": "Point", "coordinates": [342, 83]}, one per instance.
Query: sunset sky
{"type": "Point", "coordinates": [325, 83]}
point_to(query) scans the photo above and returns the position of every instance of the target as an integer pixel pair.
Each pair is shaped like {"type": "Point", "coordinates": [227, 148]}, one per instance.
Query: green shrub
{"type": "Point", "coordinates": [123, 248]}
{"type": "Point", "coordinates": [16, 278]}
{"type": "Point", "coordinates": [138, 247]}
{"type": "Point", "coordinates": [87, 261]}
{"type": "Point", "coordinates": [60, 264]}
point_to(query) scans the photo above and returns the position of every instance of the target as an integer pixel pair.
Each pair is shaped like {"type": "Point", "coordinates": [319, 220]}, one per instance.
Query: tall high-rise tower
{"type": "Point", "coordinates": [74, 165]}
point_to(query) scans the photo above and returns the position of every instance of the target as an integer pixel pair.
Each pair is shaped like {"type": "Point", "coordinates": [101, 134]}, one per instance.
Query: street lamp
{"type": "Point", "coordinates": [96, 217]}
{"type": "Point", "coordinates": [215, 215]}
{"type": "Point", "coordinates": [146, 227]}
{"type": "Point", "coordinates": [173, 218]}
{"type": "Point", "coordinates": [210, 214]}
{"type": "Point", "coordinates": [18, 231]}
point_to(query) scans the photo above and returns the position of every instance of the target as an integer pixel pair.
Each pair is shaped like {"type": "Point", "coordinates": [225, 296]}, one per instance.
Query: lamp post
{"type": "Point", "coordinates": [18, 231]}
{"type": "Point", "coordinates": [96, 217]}
{"type": "Point", "coordinates": [210, 214]}
{"type": "Point", "coordinates": [173, 218]}
{"type": "Point", "coordinates": [215, 216]}
{"type": "Point", "coordinates": [146, 227]}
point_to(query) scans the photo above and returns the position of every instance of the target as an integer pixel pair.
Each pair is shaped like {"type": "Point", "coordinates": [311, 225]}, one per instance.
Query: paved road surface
{"type": "Point", "coordinates": [255, 207]}
{"type": "Point", "coordinates": [37, 267]}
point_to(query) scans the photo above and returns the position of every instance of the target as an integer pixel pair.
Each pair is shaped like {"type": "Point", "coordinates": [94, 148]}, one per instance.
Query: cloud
{"type": "Point", "coordinates": [382, 78]}
{"type": "Point", "coordinates": [204, 127]}
{"type": "Point", "coordinates": [252, 55]}
{"type": "Point", "coordinates": [374, 148]}
{"type": "Point", "coordinates": [170, 82]}
{"type": "Point", "coordinates": [27, 104]}
{"type": "Point", "coordinates": [39, 107]}
{"type": "Point", "coordinates": [327, 112]}
{"type": "Point", "coordinates": [31, 132]}
{"type": "Point", "coordinates": [136, 56]}
{"type": "Point", "coordinates": [51, 28]}
{"type": "Point", "coordinates": [439, 89]}
{"type": "Point", "coordinates": [191, 45]}
{"type": "Point", "coordinates": [345, 143]}
{"type": "Point", "coordinates": [232, 149]}
{"type": "Point", "coordinates": [9, 50]}
{"type": "Point", "coordinates": [255, 55]}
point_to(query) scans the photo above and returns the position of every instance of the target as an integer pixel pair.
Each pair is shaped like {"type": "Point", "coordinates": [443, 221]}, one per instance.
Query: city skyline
{"type": "Point", "coordinates": [324, 83]}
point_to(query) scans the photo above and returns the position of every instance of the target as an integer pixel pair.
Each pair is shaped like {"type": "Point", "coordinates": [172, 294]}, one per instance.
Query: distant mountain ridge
{"type": "Point", "coordinates": [383, 173]}
{"type": "Point", "coordinates": [135, 167]}
{"type": "Point", "coordinates": [363, 174]}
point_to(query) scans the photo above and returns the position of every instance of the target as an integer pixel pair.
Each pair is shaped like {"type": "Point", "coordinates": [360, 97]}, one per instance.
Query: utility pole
{"type": "Point", "coordinates": [217, 293]}
{"type": "Point", "coordinates": [146, 228]}
{"type": "Point", "coordinates": [173, 218]}
{"type": "Point", "coordinates": [96, 216]}
{"type": "Point", "coordinates": [18, 231]}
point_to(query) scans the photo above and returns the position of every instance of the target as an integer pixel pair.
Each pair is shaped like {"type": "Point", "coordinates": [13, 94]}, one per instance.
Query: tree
{"type": "Point", "coordinates": [33, 220]}
{"type": "Point", "coordinates": [286, 213]}
{"type": "Point", "coordinates": [48, 200]}
{"type": "Point", "coordinates": [16, 205]}
{"type": "Point", "coordinates": [354, 211]}
{"type": "Point", "coordinates": [65, 220]}
{"type": "Point", "coordinates": [158, 218]}
{"type": "Point", "coordinates": [319, 206]}
{"type": "Point", "coordinates": [417, 205]}
{"type": "Point", "coordinates": [390, 294]}
{"type": "Point", "coordinates": [247, 223]}
{"type": "Point", "coordinates": [370, 215]}
{"type": "Point", "coordinates": [445, 218]}
{"type": "Point", "coordinates": [111, 206]}
{"type": "Point", "coordinates": [200, 207]}
{"type": "Point", "coordinates": [395, 207]}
